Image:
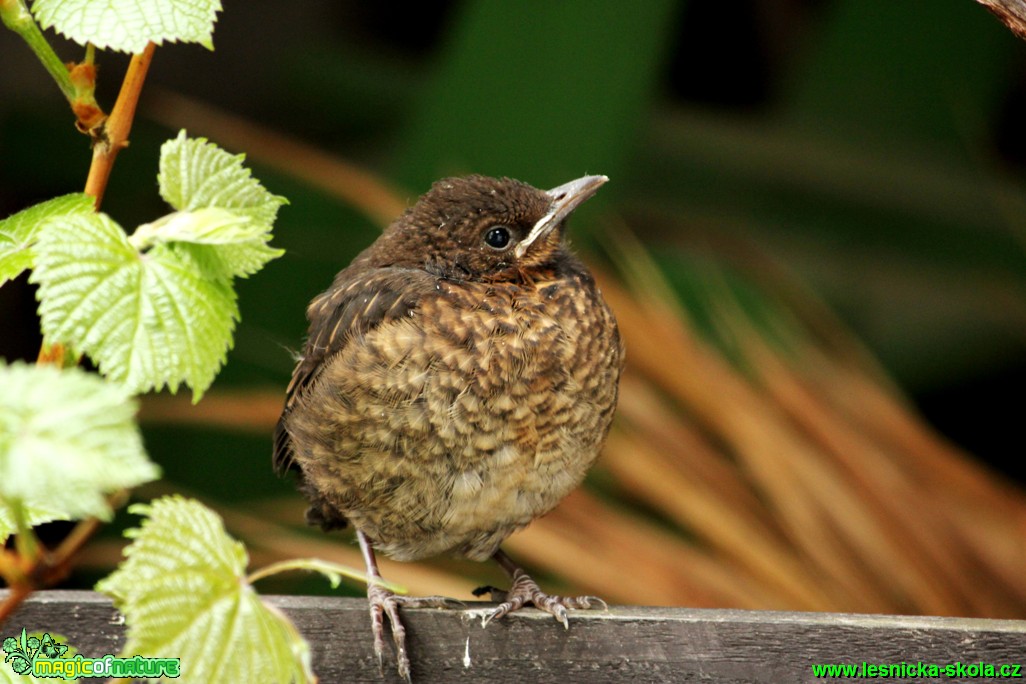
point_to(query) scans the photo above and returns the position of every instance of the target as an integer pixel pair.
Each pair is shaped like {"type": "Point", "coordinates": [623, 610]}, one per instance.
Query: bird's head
{"type": "Point", "coordinates": [480, 228]}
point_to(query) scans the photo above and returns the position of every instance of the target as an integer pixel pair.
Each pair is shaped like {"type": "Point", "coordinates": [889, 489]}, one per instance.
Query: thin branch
{"type": "Point", "coordinates": [17, 18]}
{"type": "Point", "coordinates": [113, 136]}
{"type": "Point", "coordinates": [333, 571]}
{"type": "Point", "coordinates": [50, 567]}
{"type": "Point", "coordinates": [110, 134]}
{"type": "Point", "coordinates": [51, 355]}
{"type": "Point", "coordinates": [18, 593]}
{"type": "Point", "coordinates": [46, 567]}
{"type": "Point", "coordinates": [76, 81]}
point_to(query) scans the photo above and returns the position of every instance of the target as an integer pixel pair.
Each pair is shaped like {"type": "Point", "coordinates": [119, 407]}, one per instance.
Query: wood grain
{"type": "Point", "coordinates": [624, 644]}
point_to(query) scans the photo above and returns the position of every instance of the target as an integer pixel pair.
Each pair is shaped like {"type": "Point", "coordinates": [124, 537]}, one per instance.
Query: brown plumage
{"type": "Point", "coordinates": [458, 381]}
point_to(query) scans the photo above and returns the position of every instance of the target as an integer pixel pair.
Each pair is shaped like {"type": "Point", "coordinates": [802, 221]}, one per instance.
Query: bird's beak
{"type": "Point", "coordinates": [565, 199]}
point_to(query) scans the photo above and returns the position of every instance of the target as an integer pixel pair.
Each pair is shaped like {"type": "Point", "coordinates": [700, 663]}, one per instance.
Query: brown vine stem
{"type": "Point", "coordinates": [51, 354]}
{"type": "Point", "coordinates": [48, 567]}
{"type": "Point", "coordinates": [108, 139]}
{"type": "Point", "coordinates": [114, 134]}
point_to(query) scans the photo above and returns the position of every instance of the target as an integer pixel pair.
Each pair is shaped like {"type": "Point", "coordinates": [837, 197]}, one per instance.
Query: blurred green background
{"type": "Point", "coordinates": [873, 150]}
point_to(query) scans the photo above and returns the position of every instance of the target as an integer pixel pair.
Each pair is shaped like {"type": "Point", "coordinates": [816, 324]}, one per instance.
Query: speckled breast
{"type": "Point", "coordinates": [462, 422]}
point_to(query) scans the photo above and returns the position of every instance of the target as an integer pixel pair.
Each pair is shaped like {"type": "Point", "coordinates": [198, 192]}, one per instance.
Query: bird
{"type": "Point", "coordinates": [458, 380]}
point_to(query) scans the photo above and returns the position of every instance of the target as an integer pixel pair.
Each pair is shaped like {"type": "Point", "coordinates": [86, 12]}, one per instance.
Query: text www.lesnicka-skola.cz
{"type": "Point", "coordinates": [956, 670]}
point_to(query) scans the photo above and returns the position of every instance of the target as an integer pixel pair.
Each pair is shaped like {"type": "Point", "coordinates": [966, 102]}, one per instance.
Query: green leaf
{"type": "Point", "coordinates": [224, 242]}
{"type": "Point", "coordinates": [183, 592]}
{"type": "Point", "coordinates": [240, 260]}
{"type": "Point", "coordinates": [146, 319]}
{"type": "Point", "coordinates": [198, 178]}
{"type": "Point", "coordinates": [159, 308]}
{"type": "Point", "coordinates": [67, 439]}
{"type": "Point", "coordinates": [18, 232]}
{"type": "Point", "coordinates": [127, 25]}
{"type": "Point", "coordinates": [195, 174]}
{"type": "Point", "coordinates": [207, 226]}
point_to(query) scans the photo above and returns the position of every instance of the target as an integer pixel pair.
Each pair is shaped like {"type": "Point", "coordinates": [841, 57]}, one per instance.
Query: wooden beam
{"type": "Point", "coordinates": [635, 644]}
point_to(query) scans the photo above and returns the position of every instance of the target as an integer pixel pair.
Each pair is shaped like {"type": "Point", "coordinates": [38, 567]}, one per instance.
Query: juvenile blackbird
{"type": "Point", "coordinates": [458, 381]}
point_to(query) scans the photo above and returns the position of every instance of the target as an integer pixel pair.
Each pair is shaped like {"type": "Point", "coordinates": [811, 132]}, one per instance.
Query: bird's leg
{"type": "Point", "coordinates": [524, 590]}
{"type": "Point", "coordinates": [384, 602]}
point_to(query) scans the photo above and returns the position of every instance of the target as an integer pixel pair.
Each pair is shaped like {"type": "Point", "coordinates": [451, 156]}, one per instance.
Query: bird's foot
{"type": "Point", "coordinates": [525, 590]}
{"type": "Point", "coordinates": [386, 603]}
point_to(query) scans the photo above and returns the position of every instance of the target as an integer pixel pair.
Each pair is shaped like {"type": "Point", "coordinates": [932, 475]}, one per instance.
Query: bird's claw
{"type": "Point", "coordinates": [525, 590]}
{"type": "Point", "coordinates": [385, 603]}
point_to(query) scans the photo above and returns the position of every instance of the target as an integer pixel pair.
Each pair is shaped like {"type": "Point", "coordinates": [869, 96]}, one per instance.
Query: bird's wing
{"type": "Point", "coordinates": [353, 306]}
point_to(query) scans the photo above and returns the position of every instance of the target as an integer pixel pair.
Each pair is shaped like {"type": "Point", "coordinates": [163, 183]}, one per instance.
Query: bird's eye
{"type": "Point", "coordinates": [497, 237]}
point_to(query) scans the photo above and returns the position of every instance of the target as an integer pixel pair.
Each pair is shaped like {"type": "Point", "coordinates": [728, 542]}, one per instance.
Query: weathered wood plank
{"type": "Point", "coordinates": [634, 644]}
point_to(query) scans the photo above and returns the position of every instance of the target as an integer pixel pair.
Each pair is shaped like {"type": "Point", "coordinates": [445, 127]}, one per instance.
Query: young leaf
{"type": "Point", "coordinates": [195, 173]}
{"type": "Point", "coordinates": [67, 439]}
{"type": "Point", "coordinates": [18, 232]}
{"type": "Point", "coordinates": [127, 25]}
{"type": "Point", "coordinates": [207, 226]}
{"type": "Point", "coordinates": [226, 242]}
{"type": "Point", "coordinates": [146, 319]}
{"type": "Point", "coordinates": [183, 592]}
